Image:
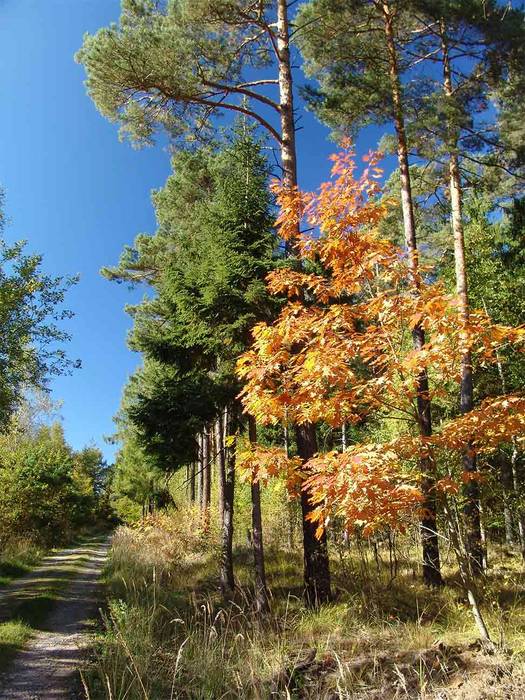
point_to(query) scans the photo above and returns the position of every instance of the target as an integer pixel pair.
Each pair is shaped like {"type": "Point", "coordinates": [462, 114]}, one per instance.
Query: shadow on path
{"type": "Point", "coordinates": [48, 667]}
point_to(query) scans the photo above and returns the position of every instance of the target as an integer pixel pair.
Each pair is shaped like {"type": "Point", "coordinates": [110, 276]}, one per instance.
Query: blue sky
{"type": "Point", "coordinates": [78, 195]}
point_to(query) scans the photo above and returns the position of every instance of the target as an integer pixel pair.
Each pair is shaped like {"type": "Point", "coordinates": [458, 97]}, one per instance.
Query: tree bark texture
{"type": "Point", "coordinates": [226, 572]}
{"type": "Point", "coordinates": [316, 565]}
{"type": "Point", "coordinates": [261, 592]}
{"type": "Point", "coordinates": [471, 509]}
{"type": "Point", "coordinates": [221, 463]}
{"type": "Point", "coordinates": [316, 562]}
{"type": "Point", "coordinates": [429, 533]}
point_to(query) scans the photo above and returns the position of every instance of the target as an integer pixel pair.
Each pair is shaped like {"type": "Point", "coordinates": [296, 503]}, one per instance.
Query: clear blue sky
{"type": "Point", "coordinates": [78, 195]}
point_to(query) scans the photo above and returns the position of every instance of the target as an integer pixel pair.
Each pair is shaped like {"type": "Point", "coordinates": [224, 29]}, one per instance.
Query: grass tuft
{"type": "Point", "coordinates": [167, 633]}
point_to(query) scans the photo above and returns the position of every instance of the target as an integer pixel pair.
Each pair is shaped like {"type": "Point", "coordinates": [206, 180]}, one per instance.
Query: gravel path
{"type": "Point", "coordinates": [48, 667]}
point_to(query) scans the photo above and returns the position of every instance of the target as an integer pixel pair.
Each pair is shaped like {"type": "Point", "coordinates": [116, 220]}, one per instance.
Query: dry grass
{"type": "Point", "coordinates": [169, 635]}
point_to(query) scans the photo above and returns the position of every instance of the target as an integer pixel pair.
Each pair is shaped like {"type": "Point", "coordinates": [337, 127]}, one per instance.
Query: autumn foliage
{"type": "Point", "coordinates": [341, 350]}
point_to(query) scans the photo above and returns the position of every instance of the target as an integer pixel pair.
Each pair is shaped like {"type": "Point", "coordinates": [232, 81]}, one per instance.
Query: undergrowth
{"type": "Point", "coordinates": [168, 634]}
{"type": "Point", "coordinates": [17, 557]}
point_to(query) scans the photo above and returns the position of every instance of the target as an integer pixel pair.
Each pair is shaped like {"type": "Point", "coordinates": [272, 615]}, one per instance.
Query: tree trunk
{"type": "Point", "coordinates": [288, 150]}
{"type": "Point", "coordinates": [429, 534]}
{"type": "Point", "coordinates": [207, 468]}
{"type": "Point", "coordinates": [465, 575]}
{"type": "Point", "coordinates": [192, 484]}
{"type": "Point", "coordinates": [520, 516]}
{"type": "Point", "coordinates": [316, 565]}
{"type": "Point", "coordinates": [471, 489]}
{"type": "Point", "coordinates": [226, 573]}
{"type": "Point", "coordinates": [261, 591]}
{"type": "Point", "coordinates": [221, 464]}
{"type": "Point", "coordinates": [507, 485]}
{"type": "Point", "coordinates": [316, 562]}
{"type": "Point", "coordinates": [200, 475]}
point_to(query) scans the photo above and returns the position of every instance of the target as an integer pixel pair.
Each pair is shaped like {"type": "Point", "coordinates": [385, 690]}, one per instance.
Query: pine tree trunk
{"type": "Point", "coordinates": [261, 591]}
{"type": "Point", "coordinates": [316, 564]}
{"type": "Point", "coordinates": [429, 534]}
{"type": "Point", "coordinates": [200, 475]}
{"type": "Point", "coordinates": [471, 489]}
{"type": "Point", "coordinates": [226, 572]}
{"type": "Point", "coordinates": [207, 468]}
{"type": "Point", "coordinates": [288, 150]}
{"type": "Point", "coordinates": [221, 464]}
{"type": "Point", "coordinates": [192, 483]}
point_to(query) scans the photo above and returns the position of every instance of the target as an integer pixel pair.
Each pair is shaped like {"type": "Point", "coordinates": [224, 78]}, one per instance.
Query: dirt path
{"type": "Point", "coordinates": [48, 667]}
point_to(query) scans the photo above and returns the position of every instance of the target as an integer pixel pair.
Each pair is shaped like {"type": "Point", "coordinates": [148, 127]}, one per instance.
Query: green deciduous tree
{"type": "Point", "coordinates": [31, 338]}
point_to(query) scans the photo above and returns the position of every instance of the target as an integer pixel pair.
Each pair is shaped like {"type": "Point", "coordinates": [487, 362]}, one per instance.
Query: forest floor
{"type": "Point", "coordinates": [45, 620]}
{"type": "Point", "coordinates": [170, 636]}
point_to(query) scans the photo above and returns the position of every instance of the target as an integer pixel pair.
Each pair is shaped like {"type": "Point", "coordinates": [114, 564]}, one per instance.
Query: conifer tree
{"type": "Point", "coordinates": [359, 51]}
{"type": "Point", "coordinates": [177, 66]}
{"type": "Point", "coordinates": [207, 264]}
{"type": "Point", "coordinates": [454, 128]}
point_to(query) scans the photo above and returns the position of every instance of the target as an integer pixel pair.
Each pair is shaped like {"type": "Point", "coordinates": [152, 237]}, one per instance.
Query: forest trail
{"type": "Point", "coordinates": [47, 667]}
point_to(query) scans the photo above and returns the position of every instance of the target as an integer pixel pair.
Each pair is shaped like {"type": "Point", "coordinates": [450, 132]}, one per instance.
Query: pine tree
{"type": "Point", "coordinates": [359, 52]}
{"type": "Point", "coordinates": [179, 65]}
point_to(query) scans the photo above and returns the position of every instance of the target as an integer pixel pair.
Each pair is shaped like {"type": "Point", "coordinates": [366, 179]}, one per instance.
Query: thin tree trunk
{"type": "Point", "coordinates": [206, 478]}
{"type": "Point", "coordinates": [471, 489]}
{"type": "Point", "coordinates": [207, 468]}
{"type": "Point", "coordinates": [221, 464]}
{"type": "Point", "coordinates": [429, 534]}
{"type": "Point", "coordinates": [261, 591]}
{"type": "Point", "coordinates": [520, 516]}
{"type": "Point", "coordinates": [289, 503]}
{"type": "Point", "coordinates": [192, 483]}
{"type": "Point", "coordinates": [226, 572]}
{"type": "Point", "coordinates": [507, 485]}
{"type": "Point", "coordinates": [200, 479]}
{"type": "Point", "coordinates": [465, 573]}
{"type": "Point", "coordinates": [517, 510]}
{"type": "Point", "coordinates": [316, 564]}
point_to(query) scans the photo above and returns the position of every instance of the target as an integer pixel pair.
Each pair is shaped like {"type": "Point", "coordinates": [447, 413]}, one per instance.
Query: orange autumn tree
{"type": "Point", "coordinates": [340, 351]}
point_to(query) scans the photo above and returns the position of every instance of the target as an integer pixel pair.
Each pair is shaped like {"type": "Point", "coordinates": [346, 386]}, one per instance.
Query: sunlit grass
{"type": "Point", "coordinates": [168, 634]}
{"type": "Point", "coordinates": [17, 558]}
{"type": "Point", "coordinates": [13, 636]}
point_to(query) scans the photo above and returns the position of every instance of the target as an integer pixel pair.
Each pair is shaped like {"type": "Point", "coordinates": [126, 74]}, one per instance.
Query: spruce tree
{"type": "Point", "coordinates": [207, 264]}
{"type": "Point", "coordinates": [178, 65]}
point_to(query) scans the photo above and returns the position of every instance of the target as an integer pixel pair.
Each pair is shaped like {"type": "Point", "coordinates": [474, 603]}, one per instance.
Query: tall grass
{"type": "Point", "coordinates": [18, 555]}
{"type": "Point", "coordinates": [169, 635]}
